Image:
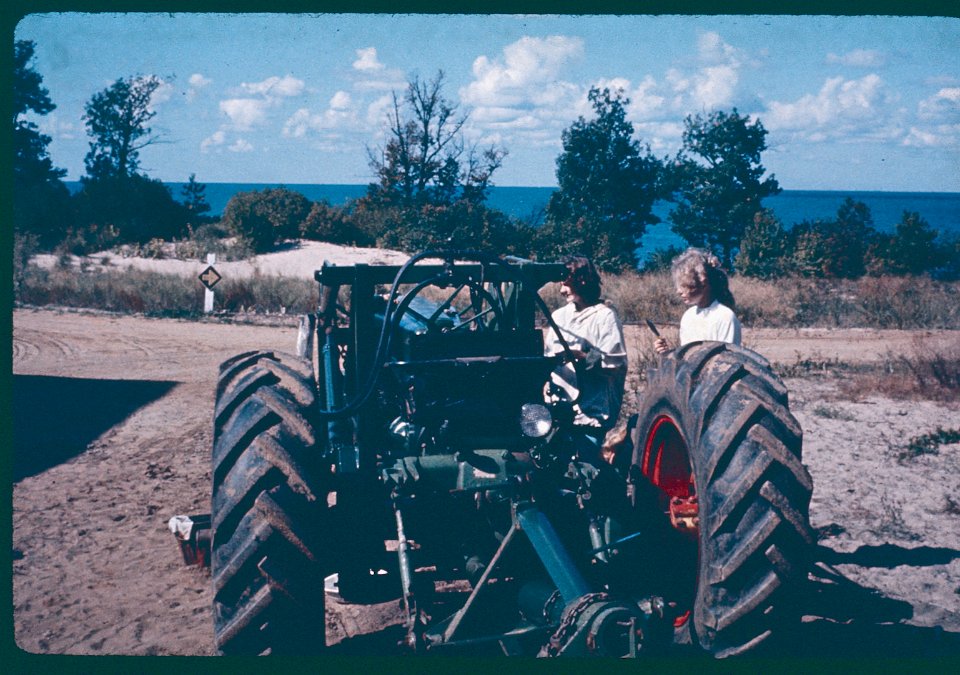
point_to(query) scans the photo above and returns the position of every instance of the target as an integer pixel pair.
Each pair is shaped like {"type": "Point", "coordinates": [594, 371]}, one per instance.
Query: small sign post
{"type": "Point", "coordinates": [209, 278]}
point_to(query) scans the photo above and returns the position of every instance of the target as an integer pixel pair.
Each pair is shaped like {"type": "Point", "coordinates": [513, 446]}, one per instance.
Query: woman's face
{"type": "Point", "coordinates": [570, 294]}
{"type": "Point", "coordinates": [692, 292]}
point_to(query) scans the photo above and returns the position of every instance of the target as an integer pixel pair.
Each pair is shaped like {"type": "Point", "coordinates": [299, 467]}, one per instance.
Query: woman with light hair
{"type": "Point", "coordinates": [701, 283]}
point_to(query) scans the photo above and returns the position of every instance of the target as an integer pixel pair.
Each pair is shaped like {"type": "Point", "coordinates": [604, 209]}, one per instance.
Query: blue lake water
{"type": "Point", "coordinates": [940, 209]}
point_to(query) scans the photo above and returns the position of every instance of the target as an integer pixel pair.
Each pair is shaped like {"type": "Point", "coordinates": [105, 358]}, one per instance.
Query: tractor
{"type": "Point", "coordinates": [410, 450]}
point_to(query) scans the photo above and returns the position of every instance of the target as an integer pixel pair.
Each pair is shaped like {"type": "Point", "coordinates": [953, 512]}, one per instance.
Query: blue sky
{"type": "Point", "coordinates": [850, 103]}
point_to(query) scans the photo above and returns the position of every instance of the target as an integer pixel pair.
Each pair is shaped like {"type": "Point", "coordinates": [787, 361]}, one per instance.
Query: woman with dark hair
{"type": "Point", "coordinates": [594, 335]}
{"type": "Point", "coordinates": [701, 282]}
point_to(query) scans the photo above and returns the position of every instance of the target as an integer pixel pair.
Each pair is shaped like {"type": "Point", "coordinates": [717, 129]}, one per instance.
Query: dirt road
{"type": "Point", "coordinates": [112, 437]}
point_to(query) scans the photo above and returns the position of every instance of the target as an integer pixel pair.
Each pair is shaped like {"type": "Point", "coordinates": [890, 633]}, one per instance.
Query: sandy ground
{"type": "Point", "coordinates": [112, 437]}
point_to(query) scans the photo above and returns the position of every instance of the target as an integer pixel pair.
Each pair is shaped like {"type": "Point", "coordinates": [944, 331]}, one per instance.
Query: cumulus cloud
{"type": "Point", "coordinates": [943, 135]}
{"type": "Point", "coordinates": [245, 113]}
{"type": "Point", "coordinates": [528, 66]}
{"type": "Point", "coordinates": [249, 108]}
{"type": "Point", "coordinates": [945, 104]}
{"type": "Point", "coordinates": [339, 113]}
{"type": "Point", "coordinates": [162, 94]}
{"type": "Point", "coordinates": [367, 60]}
{"type": "Point", "coordinates": [240, 145]}
{"type": "Point", "coordinates": [372, 75]}
{"type": "Point", "coordinates": [275, 87]}
{"type": "Point", "coordinates": [340, 101]}
{"type": "Point", "coordinates": [218, 138]}
{"type": "Point", "coordinates": [859, 58]}
{"type": "Point", "coordinates": [196, 82]}
{"type": "Point", "coordinates": [841, 107]}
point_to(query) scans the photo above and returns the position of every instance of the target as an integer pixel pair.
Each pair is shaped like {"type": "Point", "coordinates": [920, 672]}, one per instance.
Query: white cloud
{"type": "Point", "coordinates": [198, 81]}
{"type": "Point", "coordinates": [377, 111]}
{"type": "Point", "coordinates": [275, 87]}
{"type": "Point", "coordinates": [859, 58]}
{"type": "Point", "coordinates": [339, 114]}
{"type": "Point", "coordinates": [245, 113]}
{"type": "Point", "coordinates": [340, 101]}
{"type": "Point", "coordinates": [840, 108]}
{"type": "Point", "coordinates": [367, 60]}
{"type": "Point", "coordinates": [944, 135]}
{"type": "Point", "coordinates": [162, 94]}
{"type": "Point", "coordinates": [240, 145]}
{"type": "Point", "coordinates": [216, 139]}
{"type": "Point", "coordinates": [56, 127]}
{"type": "Point", "coordinates": [527, 66]}
{"type": "Point", "coordinates": [945, 104]}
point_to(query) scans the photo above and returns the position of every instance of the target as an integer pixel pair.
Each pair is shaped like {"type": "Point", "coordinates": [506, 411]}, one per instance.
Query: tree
{"type": "Point", "coordinates": [763, 247]}
{"type": "Point", "coordinates": [914, 249]}
{"type": "Point", "coordinates": [717, 180]}
{"type": "Point", "coordinates": [116, 119]}
{"type": "Point", "coordinates": [263, 218]}
{"type": "Point", "coordinates": [431, 187]}
{"type": "Point", "coordinates": [194, 198]}
{"type": "Point", "coordinates": [607, 182]}
{"type": "Point", "coordinates": [41, 200]}
{"type": "Point", "coordinates": [425, 159]}
{"type": "Point", "coordinates": [135, 208]}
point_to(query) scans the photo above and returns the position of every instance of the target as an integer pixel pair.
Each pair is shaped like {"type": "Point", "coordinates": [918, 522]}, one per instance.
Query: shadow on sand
{"type": "Point", "coordinates": [55, 418]}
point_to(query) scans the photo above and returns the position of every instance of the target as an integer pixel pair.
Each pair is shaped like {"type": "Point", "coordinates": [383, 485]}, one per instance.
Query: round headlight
{"type": "Point", "coordinates": [535, 420]}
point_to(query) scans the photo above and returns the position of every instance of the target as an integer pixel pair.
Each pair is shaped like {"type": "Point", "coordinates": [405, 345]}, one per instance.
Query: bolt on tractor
{"type": "Point", "coordinates": [409, 449]}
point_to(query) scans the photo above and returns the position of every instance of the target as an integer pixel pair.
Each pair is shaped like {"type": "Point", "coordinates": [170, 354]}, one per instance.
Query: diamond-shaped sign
{"type": "Point", "coordinates": [210, 278]}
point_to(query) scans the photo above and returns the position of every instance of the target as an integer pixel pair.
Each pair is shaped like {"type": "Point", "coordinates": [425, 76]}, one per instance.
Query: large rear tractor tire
{"type": "Point", "coordinates": [268, 508]}
{"type": "Point", "coordinates": [715, 436]}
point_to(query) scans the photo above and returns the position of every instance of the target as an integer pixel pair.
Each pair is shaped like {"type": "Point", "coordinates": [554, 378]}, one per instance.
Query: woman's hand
{"type": "Point", "coordinates": [661, 346]}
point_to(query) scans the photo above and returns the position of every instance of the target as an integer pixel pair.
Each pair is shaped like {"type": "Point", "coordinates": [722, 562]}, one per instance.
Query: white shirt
{"type": "Point", "coordinates": [715, 322]}
{"type": "Point", "coordinates": [595, 330]}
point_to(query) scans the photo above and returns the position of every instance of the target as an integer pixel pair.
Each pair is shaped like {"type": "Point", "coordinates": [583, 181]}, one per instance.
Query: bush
{"type": "Point", "coordinates": [332, 224]}
{"type": "Point", "coordinates": [460, 225]}
{"type": "Point", "coordinates": [763, 247]}
{"type": "Point", "coordinates": [262, 219]}
{"type": "Point", "coordinates": [137, 208]}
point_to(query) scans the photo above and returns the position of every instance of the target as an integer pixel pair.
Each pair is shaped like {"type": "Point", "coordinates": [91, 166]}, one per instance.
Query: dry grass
{"type": "Point", "coordinates": [927, 372]}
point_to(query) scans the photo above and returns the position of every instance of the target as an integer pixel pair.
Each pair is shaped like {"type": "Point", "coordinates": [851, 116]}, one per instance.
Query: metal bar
{"type": "Point", "coordinates": [406, 580]}
{"type": "Point", "coordinates": [536, 273]}
{"type": "Point", "coordinates": [462, 612]}
{"type": "Point", "coordinates": [554, 556]}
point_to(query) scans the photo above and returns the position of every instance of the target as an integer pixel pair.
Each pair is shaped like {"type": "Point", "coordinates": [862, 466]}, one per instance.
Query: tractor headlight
{"type": "Point", "coordinates": [535, 420]}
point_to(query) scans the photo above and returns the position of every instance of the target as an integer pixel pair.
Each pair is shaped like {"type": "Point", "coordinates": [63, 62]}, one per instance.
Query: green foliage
{"type": "Point", "coordinates": [929, 444]}
{"type": "Point", "coordinates": [912, 249]}
{"type": "Point", "coordinates": [717, 181]}
{"type": "Point", "coordinates": [116, 119]}
{"type": "Point", "coordinates": [607, 182]}
{"type": "Point", "coordinates": [40, 199]}
{"type": "Point", "coordinates": [264, 218]}
{"type": "Point", "coordinates": [763, 247]}
{"type": "Point", "coordinates": [332, 224]}
{"type": "Point", "coordinates": [430, 188]}
{"type": "Point", "coordinates": [425, 159]}
{"type": "Point", "coordinates": [844, 248]}
{"type": "Point", "coordinates": [195, 200]}
{"type": "Point", "coordinates": [136, 207]}
{"type": "Point", "coordinates": [460, 225]}
{"type": "Point", "coordinates": [661, 260]}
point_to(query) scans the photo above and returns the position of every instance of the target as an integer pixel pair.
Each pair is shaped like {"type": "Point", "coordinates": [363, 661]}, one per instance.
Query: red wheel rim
{"type": "Point", "coordinates": [666, 464]}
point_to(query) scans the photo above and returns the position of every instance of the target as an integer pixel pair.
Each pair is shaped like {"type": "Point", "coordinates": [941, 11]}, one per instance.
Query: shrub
{"type": "Point", "coordinates": [137, 208]}
{"type": "Point", "coordinates": [332, 224]}
{"type": "Point", "coordinates": [264, 218]}
{"type": "Point", "coordinates": [763, 247]}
